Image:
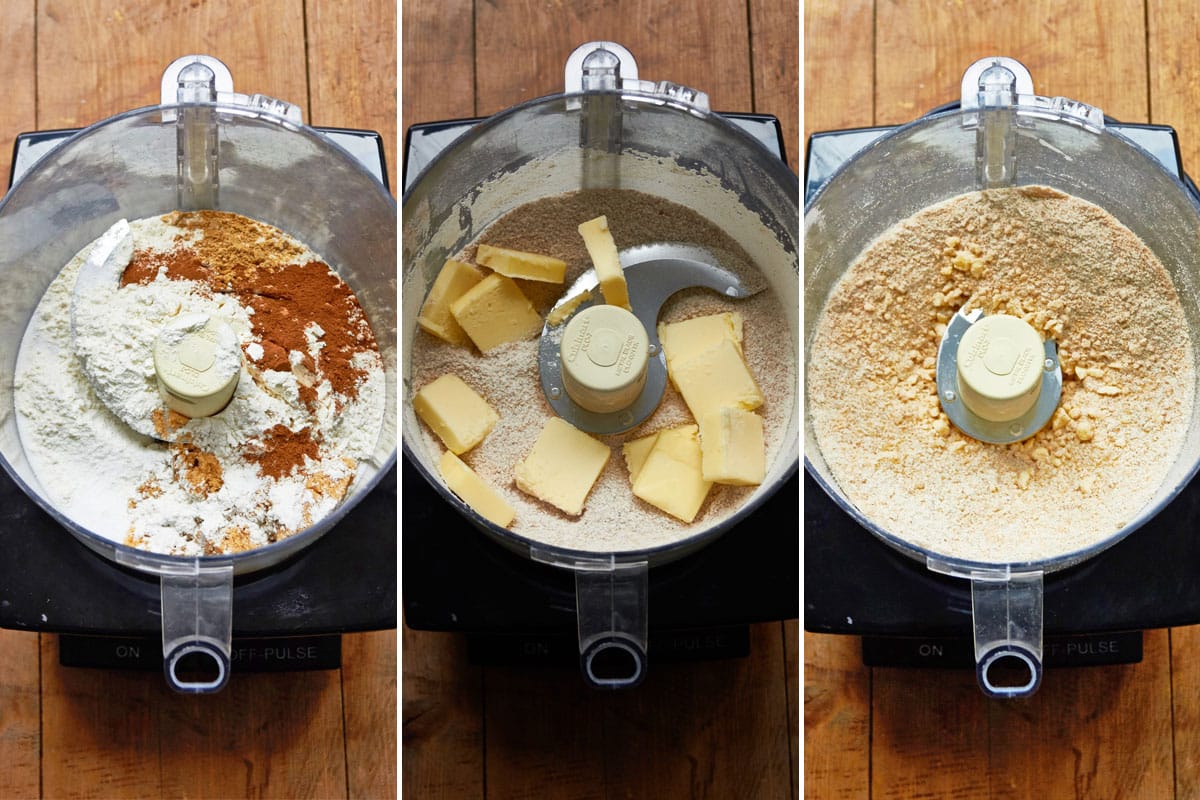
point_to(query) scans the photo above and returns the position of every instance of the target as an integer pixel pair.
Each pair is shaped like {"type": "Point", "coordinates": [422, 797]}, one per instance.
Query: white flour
{"type": "Point", "coordinates": [208, 493]}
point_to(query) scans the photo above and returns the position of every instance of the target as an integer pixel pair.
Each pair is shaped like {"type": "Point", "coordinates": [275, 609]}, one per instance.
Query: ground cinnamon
{"type": "Point", "coordinates": [293, 299]}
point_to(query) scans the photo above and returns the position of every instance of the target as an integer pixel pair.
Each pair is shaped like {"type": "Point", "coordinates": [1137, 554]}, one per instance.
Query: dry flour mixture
{"type": "Point", "coordinates": [1073, 272]}
{"type": "Point", "coordinates": [308, 403]}
{"type": "Point", "coordinates": [507, 376]}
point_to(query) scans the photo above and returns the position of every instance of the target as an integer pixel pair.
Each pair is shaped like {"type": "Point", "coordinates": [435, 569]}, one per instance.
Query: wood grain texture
{"type": "Point", "coordinates": [438, 74]}
{"type": "Point", "coordinates": [116, 734]}
{"type": "Point", "coordinates": [837, 718]}
{"type": "Point", "coordinates": [839, 60]}
{"type": "Point", "coordinates": [1185, 699]}
{"type": "Point", "coordinates": [20, 715]}
{"type": "Point", "coordinates": [99, 57]}
{"type": "Point", "coordinates": [352, 69]}
{"type": "Point", "coordinates": [1172, 27]}
{"type": "Point", "coordinates": [20, 723]}
{"type": "Point", "coordinates": [928, 734]}
{"type": "Point", "coordinates": [1093, 51]}
{"type": "Point", "coordinates": [792, 662]}
{"type": "Point", "coordinates": [522, 45]}
{"type": "Point", "coordinates": [18, 67]}
{"type": "Point", "coordinates": [546, 736]}
{"type": "Point", "coordinates": [1071, 739]}
{"type": "Point", "coordinates": [369, 670]}
{"type": "Point", "coordinates": [442, 718]}
{"type": "Point", "coordinates": [774, 38]}
{"type": "Point", "coordinates": [716, 729]}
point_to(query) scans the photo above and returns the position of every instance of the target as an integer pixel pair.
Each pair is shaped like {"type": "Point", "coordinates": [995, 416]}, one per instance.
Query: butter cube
{"type": "Point", "coordinates": [563, 466]}
{"type": "Point", "coordinates": [603, 250]}
{"type": "Point", "coordinates": [716, 377]}
{"type": "Point", "coordinates": [518, 264]}
{"type": "Point", "coordinates": [732, 446]}
{"type": "Point", "coordinates": [671, 477]}
{"type": "Point", "coordinates": [561, 312]}
{"type": "Point", "coordinates": [465, 483]}
{"type": "Point", "coordinates": [495, 312]}
{"type": "Point", "coordinates": [451, 283]}
{"type": "Point", "coordinates": [682, 340]}
{"type": "Point", "coordinates": [455, 412]}
{"type": "Point", "coordinates": [635, 453]}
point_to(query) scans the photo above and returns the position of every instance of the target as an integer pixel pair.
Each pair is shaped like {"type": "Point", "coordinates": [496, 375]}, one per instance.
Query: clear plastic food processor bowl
{"type": "Point", "coordinates": [217, 149]}
{"type": "Point", "coordinates": [1002, 135]}
{"type": "Point", "coordinates": [609, 130]}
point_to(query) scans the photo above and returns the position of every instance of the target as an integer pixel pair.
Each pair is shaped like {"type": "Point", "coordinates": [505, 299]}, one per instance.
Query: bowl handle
{"type": "Point", "coordinates": [1006, 612]}
{"type": "Point", "coordinates": [197, 621]}
{"type": "Point", "coordinates": [611, 611]}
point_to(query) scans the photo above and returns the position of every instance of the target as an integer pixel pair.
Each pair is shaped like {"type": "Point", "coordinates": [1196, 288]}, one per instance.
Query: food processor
{"type": "Point", "coordinates": [1000, 134]}
{"type": "Point", "coordinates": [205, 146]}
{"type": "Point", "coordinates": [608, 129]}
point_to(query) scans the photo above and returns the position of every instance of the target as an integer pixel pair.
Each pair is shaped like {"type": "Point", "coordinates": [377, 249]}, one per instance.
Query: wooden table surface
{"type": "Point", "coordinates": [93, 733]}
{"type": "Point", "coordinates": [1127, 731]}
{"type": "Point", "coordinates": [726, 729]}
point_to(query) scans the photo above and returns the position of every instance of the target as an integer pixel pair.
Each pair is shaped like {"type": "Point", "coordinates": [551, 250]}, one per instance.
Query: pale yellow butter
{"type": "Point", "coordinates": [671, 477]}
{"type": "Point", "coordinates": [635, 453]}
{"type": "Point", "coordinates": [451, 283]}
{"type": "Point", "coordinates": [563, 466]}
{"type": "Point", "coordinates": [494, 312]}
{"type": "Point", "coordinates": [467, 484]}
{"type": "Point", "coordinates": [714, 378]}
{"type": "Point", "coordinates": [455, 412]}
{"type": "Point", "coordinates": [560, 313]}
{"type": "Point", "coordinates": [682, 340]}
{"type": "Point", "coordinates": [519, 264]}
{"type": "Point", "coordinates": [603, 250]}
{"type": "Point", "coordinates": [732, 446]}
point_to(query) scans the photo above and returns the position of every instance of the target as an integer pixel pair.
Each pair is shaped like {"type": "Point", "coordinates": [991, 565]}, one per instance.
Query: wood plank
{"type": "Point", "coordinates": [715, 729]}
{"type": "Point", "coordinates": [265, 735]}
{"type": "Point", "coordinates": [1094, 52]}
{"type": "Point", "coordinates": [791, 652]}
{"type": "Point", "coordinates": [1185, 697]}
{"type": "Point", "coordinates": [443, 717]}
{"type": "Point", "coordinates": [102, 728]}
{"type": "Point", "coordinates": [837, 718]}
{"type": "Point", "coordinates": [775, 57]}
{"type": "Point", "coordinates": [97, 58]}
{"type": "Point", "coordinates": [17, 65]}
{"type": "Point", "coordinates": [522, 47]}
{"type": "Point", "coordinates": [1175, 72]}
{"type": "Point", "coordinates": [369, 670]}
{"type": "Point", "coordinates": [1072, 738]}
{"type": "Point", "coordinates": [20, 720]}
{"type": "Point", "coordinates": [125, 734]}
{"type": "Point", "coordinates": [838, 65]}
{"type": "Point", "coordinates": [351, 54]}
{"type": "Point", "coordinates": [546, 736]}
{"type": "Point", "coordinates": [352, 69]}
{"type": "Point", "coordinates": [439, 61]}
{"type": "Point", "coordinates": [20, 715]}
{"type": "Point", "coordinates": [838, 93]}
{"type": "Point", "coordinates": [929, 733]}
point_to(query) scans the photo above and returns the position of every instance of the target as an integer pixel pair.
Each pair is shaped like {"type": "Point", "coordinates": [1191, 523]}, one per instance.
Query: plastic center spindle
{"type": "Point", "coordinates": [197, 361]}
{"type": "Point", "coordinates": [604, 352]}
{"type": "Point", "coordinates": [1000, 367]}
